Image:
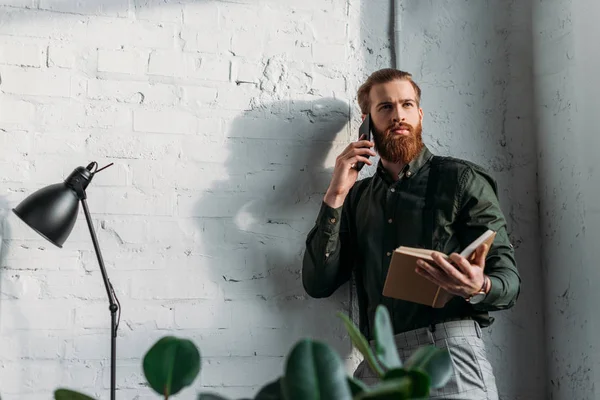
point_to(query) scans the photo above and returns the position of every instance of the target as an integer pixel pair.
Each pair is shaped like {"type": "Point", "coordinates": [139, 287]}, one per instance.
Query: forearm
{"type": "Point", "coordinates": [323, 266]}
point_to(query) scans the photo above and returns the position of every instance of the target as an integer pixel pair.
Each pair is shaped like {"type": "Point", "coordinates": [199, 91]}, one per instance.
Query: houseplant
{"type": "Point", "coordinates": [312, 369]}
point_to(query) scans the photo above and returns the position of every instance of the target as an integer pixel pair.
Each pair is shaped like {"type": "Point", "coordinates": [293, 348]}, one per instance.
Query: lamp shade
{"type": "Point", "coordinates": [51, 212]}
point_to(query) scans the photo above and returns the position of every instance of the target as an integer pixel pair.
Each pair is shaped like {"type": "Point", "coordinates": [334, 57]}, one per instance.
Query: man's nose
{"type": "Point", "coordinates": [398, 115]}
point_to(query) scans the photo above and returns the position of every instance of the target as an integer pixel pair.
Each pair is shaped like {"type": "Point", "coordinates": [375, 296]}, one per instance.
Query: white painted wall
{"type": "Point", "coordinates": [474, 62]}
{"type": "Point", "coordinates": [567, 83]}
{"type": "Point", "coordinates": [215, 113]}
{"type": "Point", "coordinates": [223, 119]}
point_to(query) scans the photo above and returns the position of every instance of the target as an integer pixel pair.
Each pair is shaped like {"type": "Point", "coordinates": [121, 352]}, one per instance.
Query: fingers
{"type": "Point", "coordinates": [481, 254]}
{"type": "Point", "coordinates": [447, 268]}
{"type": "Point", "coordinates": [462, 264]}
{"type": "Point", "coordinates": [438, 277]}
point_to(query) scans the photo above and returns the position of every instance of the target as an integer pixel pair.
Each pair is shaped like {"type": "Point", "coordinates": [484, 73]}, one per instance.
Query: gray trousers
{"type": "Point", "coordinates": [473, 377]}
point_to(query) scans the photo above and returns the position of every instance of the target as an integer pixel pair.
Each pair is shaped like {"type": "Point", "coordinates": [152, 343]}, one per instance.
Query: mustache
{"type": "Point", "coordinates": [402, 125]}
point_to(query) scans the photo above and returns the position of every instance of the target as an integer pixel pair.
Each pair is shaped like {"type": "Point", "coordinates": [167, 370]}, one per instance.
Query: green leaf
{"type": "Point", "coordinates": [436, 363]}
{"type": "Point", "coordinates": [66, 394]}
{"type": "Point", "coordinates": [419, 380]}
{"type": "Point", "coordinates": [385, 346]}
{"type": "Point", "coordinates": [171, 364]}
{"type": "Point", "coordinates": [271, 391]}
{"type": "Point", "coordinates": [361, 344]}
{"type": "Point", "coordinates": [356, 386]}
{"type": "Point", "coordinates": [394, 389]}
{"type": "Point", "coordinates": [314, 372]}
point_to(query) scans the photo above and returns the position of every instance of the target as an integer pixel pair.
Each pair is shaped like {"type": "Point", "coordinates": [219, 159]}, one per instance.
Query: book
{"type": "Point", "coordinates": [404, 283]}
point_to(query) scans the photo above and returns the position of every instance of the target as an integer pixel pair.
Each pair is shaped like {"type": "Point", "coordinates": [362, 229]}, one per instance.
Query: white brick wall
{"type": "Point", "coordinates": [214, 113]}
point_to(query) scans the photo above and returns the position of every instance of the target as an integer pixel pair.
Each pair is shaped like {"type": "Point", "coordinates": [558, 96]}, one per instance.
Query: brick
{"type": "Point", "coordinates": [65, 114]}
{"type": "Point", "coordinates": [34, 315]}
{"type": "Point", "coordinates": [35, 82]}
{"type": "Point", "coordinates": [133, 92]}
{"type": "Point", "coordinates": [129, 376]}
{"type": "Point", "coordinates": [171, 121]}
{"type": "Point", "coordinates": [66, 28]}
{"type": "Point", "coordinates": [14, 111]}
{"type": "Point", "coordinates": [32, 345]}
{"type": "Point", "coordinates": [205, 15]}
{"type": "Point", "coordinates": [61, 56]}
{"type": "Point", "coordinates": [18, 3]}
{"type": "Point", "coordinates": [248, 44]}
{"type": "Point", "coordinates": [115, 32]}
{"type": "Point", "coordinates": [20, 285]}
{"type": "Point", "coordinates": [146, 146]}
{"type": "Point", "coordinates": [329, 30]}
{"type": "Point", "coordinates": [130, 201]}
{"type": "Point", "coordinates": [121, 61]}
{"type": "Point", "coordinates": [204, 41]}
{"type": "Point", "coordinates": [233, 16]}
{"type": "Point", "coordinates": [171, 63]}
{"type": "Point", "coordinates": [210, 314]}
{"type": "Point", "coordinates": [158, 11]}
{"type": "Point", "coordinates": [111, 8]}
{"type": "Point", "coordinates": [329, 53]}
{"type": "Point", "coordinates": [106, 117]}
{"type": "Point", "coordinates": [71, 285]}
{"type": "Point", "coordinates": [327, 85]}
{"type": "Point", "coordinates": [15, 171]}
{"type": "Point", "coordinates": [213, 205]}
{"type": "Point", "coordinates": [198, 96]}
{"type": "Point", "coordinates": [187, 284]}
{"type": "Point", "coordinates": [22, 55]}
{"type": "Point", "coordinates": [33, 375]}
{"type": "Point", "coordinates": [147, 317]}
{"type": "Point", "coordinates": [14, 143]}
{"type": "Point", "coordinates": [239, 98]}
{"type": "Point", "coordinates": [217, 370]}
{"type": "Point", "coordinates": [181, 175]}
{"type": "Point", "coordinates": [246, 71]}
{"type": "Point", "coordinates": [213, 69]}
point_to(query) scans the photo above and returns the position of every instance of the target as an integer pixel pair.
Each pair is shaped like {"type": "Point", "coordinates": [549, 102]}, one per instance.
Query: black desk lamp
{"type": "Point", "coordinates": [52, 212]}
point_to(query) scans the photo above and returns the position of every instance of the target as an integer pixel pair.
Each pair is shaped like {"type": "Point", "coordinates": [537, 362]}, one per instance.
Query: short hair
{"type": "Point", "coordinates": [383, 76]}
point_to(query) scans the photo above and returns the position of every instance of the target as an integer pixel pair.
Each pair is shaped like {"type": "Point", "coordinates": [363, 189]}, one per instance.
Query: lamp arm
{"type": "Point", "coordinates": [109, 290]}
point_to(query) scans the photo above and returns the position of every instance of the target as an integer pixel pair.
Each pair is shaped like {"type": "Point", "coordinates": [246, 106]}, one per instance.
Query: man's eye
{"type": "Point", "coordinates": [408, 104]}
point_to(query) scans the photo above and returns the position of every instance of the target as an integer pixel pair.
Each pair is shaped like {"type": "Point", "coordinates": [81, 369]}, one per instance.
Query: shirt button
{"type": "Point", "coordinates": [332, 220]}
{"type": "Point", "coordinates": [408, 174]}
{"type": "Point", "coordinates": [388, 254]}
{"type": "Point", "coordinates": [326, 255]}
{"type": "Point", "coordinates": [389, 221]}
{"type": "Point", "coordinates": [392, 190]}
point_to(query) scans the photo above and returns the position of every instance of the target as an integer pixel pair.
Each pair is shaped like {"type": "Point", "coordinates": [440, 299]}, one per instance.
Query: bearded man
{"type": "Point", "coordinates": [420, 200]}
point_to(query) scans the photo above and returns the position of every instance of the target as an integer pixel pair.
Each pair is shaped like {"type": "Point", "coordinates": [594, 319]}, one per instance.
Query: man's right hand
{"type": "Point", "coordinates": [345, 173]}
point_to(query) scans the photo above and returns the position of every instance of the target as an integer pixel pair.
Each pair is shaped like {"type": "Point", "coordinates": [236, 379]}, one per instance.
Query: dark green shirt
{"type": "Point", "coordinates": [442, 205]}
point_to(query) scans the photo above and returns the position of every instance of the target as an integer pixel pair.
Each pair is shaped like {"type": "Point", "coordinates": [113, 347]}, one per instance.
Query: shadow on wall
{"type": "Point", "coordinates": [4, 232]}
{"type": "Point", "coordinates": [276, 182]}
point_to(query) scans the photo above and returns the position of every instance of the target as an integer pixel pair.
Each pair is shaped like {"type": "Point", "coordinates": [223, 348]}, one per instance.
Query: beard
{"type": "Point", "coordinates": [400, 149]}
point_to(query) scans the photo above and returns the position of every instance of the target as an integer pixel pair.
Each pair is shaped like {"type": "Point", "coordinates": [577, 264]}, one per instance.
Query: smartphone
{"type": "Point", "coordinates": [365, 129]}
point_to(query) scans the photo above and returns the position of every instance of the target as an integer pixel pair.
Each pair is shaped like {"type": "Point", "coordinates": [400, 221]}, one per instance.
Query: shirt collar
{"type": "Point", "coordinates": [410, 169]}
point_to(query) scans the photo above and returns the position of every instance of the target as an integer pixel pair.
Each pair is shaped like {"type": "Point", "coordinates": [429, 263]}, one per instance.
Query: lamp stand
{"type": "Point", "coordinates": [112, 298]}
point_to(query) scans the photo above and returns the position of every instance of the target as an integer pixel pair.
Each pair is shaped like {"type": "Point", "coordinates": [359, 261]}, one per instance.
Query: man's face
{"type": "Point", "coordinates": [396, 118]}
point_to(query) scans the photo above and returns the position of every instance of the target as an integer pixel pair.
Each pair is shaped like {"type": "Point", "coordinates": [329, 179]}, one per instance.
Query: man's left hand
{"type": "Point", "coordinates": [461, 278]}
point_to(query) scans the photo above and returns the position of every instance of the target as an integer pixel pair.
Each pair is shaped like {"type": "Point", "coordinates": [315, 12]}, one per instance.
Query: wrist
{"type": "Point", "coordinates": [487, 284]}
{"type": "Point", "coordinates": [334, 200]}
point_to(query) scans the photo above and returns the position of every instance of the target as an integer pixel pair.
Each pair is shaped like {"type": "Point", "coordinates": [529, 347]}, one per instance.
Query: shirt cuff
{"type": "Point", "coordinates": [329, 219]}
{"type": "Point", "coordinates": [495, 292]}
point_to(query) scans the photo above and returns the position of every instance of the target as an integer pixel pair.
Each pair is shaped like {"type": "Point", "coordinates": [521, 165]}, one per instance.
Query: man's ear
{"type": "Point", "coordinates": [421, 114]}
